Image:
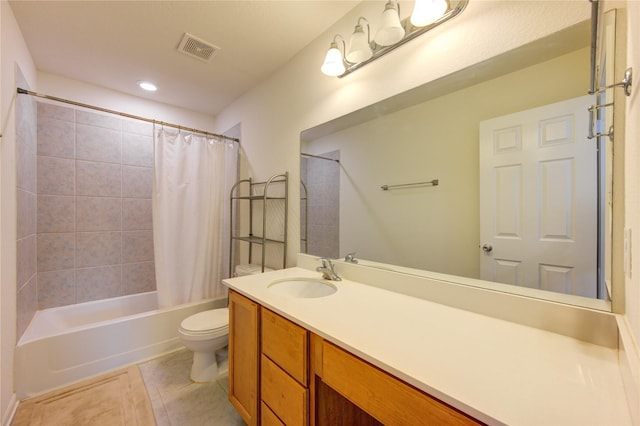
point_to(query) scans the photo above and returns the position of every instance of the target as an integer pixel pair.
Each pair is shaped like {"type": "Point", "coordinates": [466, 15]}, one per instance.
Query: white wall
{"type": "Point", "coordinates": [632, 178]}
{"type": "Point", "coordinates": [13, 53]}
{"type": "Point", "coordinates": [62, 87]}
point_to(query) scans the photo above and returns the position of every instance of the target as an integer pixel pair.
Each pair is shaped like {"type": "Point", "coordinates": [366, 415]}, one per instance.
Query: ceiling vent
{"type": "Point", "coordinates": [197, 48]}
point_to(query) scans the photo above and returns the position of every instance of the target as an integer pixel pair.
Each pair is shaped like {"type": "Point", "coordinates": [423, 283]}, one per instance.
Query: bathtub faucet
{"type": "Point", "coordinates": [327, 270]}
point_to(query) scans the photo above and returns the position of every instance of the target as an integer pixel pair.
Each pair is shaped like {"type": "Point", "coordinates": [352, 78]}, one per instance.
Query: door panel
{"type": "Point", "coordinates": [538, 199]}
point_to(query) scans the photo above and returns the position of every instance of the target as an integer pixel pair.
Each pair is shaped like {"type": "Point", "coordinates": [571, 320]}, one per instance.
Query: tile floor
{"type": "Point", "coordinates": [177, 401]}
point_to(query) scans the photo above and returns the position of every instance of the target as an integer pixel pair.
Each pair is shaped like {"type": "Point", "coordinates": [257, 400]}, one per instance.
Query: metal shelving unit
{"type": "Point", "coordinates": [261, 198]}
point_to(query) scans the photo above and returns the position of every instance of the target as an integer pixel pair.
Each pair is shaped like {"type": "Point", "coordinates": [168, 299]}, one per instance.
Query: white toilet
{"type": "Point", "coordinates": [207, 335]}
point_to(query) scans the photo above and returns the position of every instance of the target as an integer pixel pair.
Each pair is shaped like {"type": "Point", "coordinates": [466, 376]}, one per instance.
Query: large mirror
{"type": "Point", "coordinates": [486, 174]}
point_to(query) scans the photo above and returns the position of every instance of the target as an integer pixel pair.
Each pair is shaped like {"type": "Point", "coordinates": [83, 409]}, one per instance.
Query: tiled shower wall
{"type": "Point", "coordinates": [322, 179]}
{"type": "Point", "coordinates": [26, 276]}
{"type": "Point", "coordinates": [94, 226]}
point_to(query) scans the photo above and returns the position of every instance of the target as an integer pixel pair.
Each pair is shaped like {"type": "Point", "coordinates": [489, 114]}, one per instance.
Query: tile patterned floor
{"type": "Point", "coordinates": [177, 401]}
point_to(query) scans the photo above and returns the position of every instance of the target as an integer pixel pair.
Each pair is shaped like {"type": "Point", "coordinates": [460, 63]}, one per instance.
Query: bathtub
{"type": "Point", "coordinates": [63, 345]}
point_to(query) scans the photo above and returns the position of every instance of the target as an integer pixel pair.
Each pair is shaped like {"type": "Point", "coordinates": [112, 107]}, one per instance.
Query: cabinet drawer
{"type": "Point", "coordinates": [386, 398]}
{"type": "Point", "coordinates": [284, 396]}
{"type": "Point", "coordinates": [286, 344]}
{"type": "Point", "coordinates": [268, 417]}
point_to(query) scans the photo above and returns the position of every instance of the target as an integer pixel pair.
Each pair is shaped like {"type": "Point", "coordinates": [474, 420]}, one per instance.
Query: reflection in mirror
{"type": "Point", "coordinates": [517, 194]}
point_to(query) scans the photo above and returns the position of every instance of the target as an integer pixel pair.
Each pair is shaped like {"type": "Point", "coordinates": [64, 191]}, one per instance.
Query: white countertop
{"type": "Point", "coordinates": [496, 371]}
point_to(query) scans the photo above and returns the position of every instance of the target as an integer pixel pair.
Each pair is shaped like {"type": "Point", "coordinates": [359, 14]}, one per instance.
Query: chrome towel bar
{"type": "Point", "coordinates": [433, 182]}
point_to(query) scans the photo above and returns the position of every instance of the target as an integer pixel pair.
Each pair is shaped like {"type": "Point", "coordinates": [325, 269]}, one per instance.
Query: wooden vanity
{"type": "Point", "coordinates": [282, 374]}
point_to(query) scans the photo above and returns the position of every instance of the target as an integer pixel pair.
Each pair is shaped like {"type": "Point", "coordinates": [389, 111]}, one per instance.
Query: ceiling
{"type": "Point", "coordinates": [115, 43]}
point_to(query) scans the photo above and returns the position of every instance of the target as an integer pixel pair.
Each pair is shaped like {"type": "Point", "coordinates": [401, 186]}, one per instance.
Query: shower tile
{"type": "Point", "coordinates": [26, 123]}
{"type": "Point", "coordinates": [99, 179]}
{"type": "Point", "coordinates": [136, 214]}
{"type": "Point", "coordinates": [56, 138]}
{"type": "Point", "coordinates": [56, 251]}
{"type": "Point", "coordinates": [56, 213]}
{"type": "Point", "coordinates": [138, 277]}
{"type": "Point", "coordinates": [98, 248]}
{"type": "Point", "coordinates": [138, 127]}
{"type": "Point", "coordinates": [26, 306]}
{"type": "Point", "coordinates": [26, 211]}
{"type": "Point", "coordinates": [137, 246]}
{"type": "Point", "coordinates": [26, 168]}
{"type": "Point", "coordinates": [99, 214]}
{"type": "Point", "coordinates": [98, 283]}
{"type": "Point", "coordinates": [99, 120]}
{"type": "Point", "coordinates": [137, 150]}
{"type": "Point", "coordinates": [26, 255]}
{"type": "Point", "coordinates": [56, 176]}
{"type": "Point", "coordinates": [98, 144]}
{"type": "Point", "coordinates": [137, 182]}
{"type": "Point", "coordinates": [56, 288]}
{"type": "Point", "coordinates": [47, 110]}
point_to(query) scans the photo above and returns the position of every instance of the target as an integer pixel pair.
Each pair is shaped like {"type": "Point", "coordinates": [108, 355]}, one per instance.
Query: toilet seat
{"type": "Point", "coordinates": [213, 322]}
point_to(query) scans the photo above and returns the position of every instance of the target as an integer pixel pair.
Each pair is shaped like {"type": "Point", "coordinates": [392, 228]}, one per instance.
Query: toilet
{"type": "Point", "coordinates": [206, 334]}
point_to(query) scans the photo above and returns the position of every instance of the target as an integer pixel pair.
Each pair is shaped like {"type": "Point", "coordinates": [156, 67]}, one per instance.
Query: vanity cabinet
{"type": "Point", "coordinates": [387, 399]}
{"type": "Point", "coordinates": [244, 356]}
{"type": "Point", "coordinates": [303, 379]}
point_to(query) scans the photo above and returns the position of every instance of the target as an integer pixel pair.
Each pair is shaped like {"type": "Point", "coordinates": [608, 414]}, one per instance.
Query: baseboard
{"type": "Point", "coordinates": [629, 359]}
{"type": "Point", "coordinates": [7, 416]}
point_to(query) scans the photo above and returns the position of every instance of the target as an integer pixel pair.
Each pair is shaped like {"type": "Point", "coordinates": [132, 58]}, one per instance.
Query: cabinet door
{"type": "Point", "coordinates": [244, 356]}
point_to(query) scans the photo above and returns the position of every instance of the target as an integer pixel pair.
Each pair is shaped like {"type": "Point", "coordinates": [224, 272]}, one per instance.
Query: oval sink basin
{"type": "Point", "coordinates": [305, 288]}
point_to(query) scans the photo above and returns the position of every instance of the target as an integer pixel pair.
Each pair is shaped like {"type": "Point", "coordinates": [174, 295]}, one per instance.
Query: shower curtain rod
{"type": "Point", "coordinates": [304, 154]}
{"type": "Point", "coordinates": [124, 114]}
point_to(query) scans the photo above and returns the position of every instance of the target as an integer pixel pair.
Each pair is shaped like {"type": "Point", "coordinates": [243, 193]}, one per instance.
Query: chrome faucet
{"type": "Point", "coordinates": [327, 270]}
{"type": "Point", "coordinates": [350, 258]}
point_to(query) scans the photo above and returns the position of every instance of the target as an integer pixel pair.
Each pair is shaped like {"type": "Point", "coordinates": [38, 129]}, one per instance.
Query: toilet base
{"type": "Point", "coordinates": [205, 367]}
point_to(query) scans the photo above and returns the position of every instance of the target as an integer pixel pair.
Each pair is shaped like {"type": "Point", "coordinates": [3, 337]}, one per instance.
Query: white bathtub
{"type": "Point", "coordinates": [69, 343]}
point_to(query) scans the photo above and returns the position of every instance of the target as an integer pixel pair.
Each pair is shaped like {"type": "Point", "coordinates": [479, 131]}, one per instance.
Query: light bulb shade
{"type": "Point", "coordinates": [391, 30]}
{"type": "Point", "coordinates": [426, 12]}
{"type": "Point", "coordinates": [359, 49]}
{"type": "Point", "coordinates": [333, 65]}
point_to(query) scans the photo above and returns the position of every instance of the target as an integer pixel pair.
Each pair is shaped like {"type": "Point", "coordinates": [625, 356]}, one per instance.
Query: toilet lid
{"type": "Point", "coordinates": [207, 320]}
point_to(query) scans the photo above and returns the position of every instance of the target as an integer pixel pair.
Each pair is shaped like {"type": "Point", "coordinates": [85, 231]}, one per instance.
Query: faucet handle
{"type": "Point", "coordinates": [351, 258]}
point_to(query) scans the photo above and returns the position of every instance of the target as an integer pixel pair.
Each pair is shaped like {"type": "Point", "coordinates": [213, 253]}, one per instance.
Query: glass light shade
{"type": "Point", "coordinates": [391, 30]}
{"type": "Point", "coordinates": [426, 12]}
{"type": "Point", "coordinates": [333, 63]}
{"type": "Point", "coordinates": [359, 49]}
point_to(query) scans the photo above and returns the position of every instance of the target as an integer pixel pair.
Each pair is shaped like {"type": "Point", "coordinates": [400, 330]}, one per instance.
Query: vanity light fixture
{"type": "Point", "coordinates": [391, 30]}
{"type": "Point", "coordinates": [427, 14]}
{"type": "Point", "coordinates": [147, 85]}
{"type": "Point", "coordinates": [360, 44]}
{"type": "Point", "coordinates": [334, 62]}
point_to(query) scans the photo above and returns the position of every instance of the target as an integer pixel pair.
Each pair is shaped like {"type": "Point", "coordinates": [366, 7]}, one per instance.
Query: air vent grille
{"type": "Point", "coordinates": [197, 48]}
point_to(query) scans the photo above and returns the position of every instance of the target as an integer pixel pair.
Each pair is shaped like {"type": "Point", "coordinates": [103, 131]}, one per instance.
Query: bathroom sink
{"type": "Point", "coordinates": [304, 288]}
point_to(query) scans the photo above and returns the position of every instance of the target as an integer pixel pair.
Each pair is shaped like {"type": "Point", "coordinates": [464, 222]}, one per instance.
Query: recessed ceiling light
{"type": "Point", "coordinates": [147, 85]}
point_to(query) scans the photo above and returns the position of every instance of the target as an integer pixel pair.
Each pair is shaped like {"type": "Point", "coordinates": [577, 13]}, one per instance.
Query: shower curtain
{"type": "Point", "coordinates": [193, 176]}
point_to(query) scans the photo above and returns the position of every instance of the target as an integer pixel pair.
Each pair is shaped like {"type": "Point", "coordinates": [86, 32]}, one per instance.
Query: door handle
{"type": "Point", "coordinates": [487, 248]}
